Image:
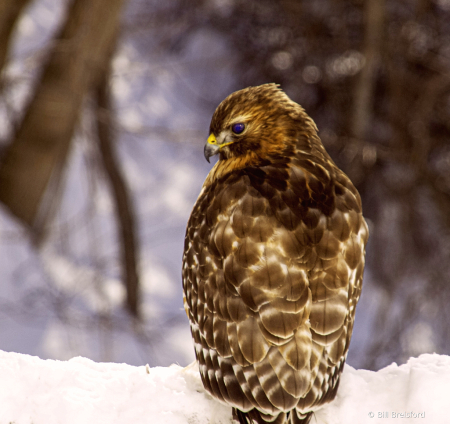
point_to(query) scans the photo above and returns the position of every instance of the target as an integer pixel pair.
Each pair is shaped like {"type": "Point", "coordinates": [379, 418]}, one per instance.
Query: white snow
{"type": "Point", "coordinates": [39, 391]}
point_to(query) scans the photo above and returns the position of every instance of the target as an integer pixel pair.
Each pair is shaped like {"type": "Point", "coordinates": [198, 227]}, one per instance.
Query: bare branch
{"type": "Point", "coordinates": [9, 14]}
{"type": "Point", "coordinates": [124, 207]}
{"type": "Point", "coordinates": [363, 103]}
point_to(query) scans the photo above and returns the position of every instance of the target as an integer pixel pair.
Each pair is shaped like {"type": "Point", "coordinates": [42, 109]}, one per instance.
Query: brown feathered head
{"type": "Point", "coordinates": [257, 122]}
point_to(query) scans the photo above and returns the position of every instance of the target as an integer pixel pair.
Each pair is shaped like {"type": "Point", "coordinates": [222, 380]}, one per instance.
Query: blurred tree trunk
{"type": "Point", "coordinates": [39, 149]}
{"type": "Point", "coordinates": [374, 11]}
{"type": "Point", "coordinates": [9, 13]}
{"type": "Point", "coordinates": [124, 207]}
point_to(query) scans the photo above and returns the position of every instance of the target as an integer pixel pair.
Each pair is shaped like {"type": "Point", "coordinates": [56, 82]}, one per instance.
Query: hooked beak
{"type": "Point", "coordinates": [211, 147]}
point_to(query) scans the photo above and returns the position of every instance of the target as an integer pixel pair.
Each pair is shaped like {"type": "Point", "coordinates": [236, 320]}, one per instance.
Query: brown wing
{"type": "Point", "coordinates": [272, 272]}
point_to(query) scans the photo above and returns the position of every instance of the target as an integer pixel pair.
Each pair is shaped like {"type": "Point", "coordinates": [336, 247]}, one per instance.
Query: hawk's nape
{"type": "Point", "coordinates": [273, 261]}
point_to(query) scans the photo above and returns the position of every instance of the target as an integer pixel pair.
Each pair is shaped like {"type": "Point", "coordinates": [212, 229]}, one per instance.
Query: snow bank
{"type": "Point", "coordinates": [417, 392]}
{"type": "Point", "coordinates": [35, 391]}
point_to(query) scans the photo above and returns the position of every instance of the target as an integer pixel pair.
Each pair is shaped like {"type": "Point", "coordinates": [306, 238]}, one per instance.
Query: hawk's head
{"type": "Point", "coordinates": [255, 122]}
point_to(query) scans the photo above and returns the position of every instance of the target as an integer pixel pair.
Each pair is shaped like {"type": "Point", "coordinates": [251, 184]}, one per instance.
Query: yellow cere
{"type": "Point", "coordinates": [212, 139]}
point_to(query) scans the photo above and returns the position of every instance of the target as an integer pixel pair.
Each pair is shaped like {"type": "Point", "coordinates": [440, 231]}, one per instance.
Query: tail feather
{"type": "Point", "coordinates": [255, 417]}
{"type": "Point", "coordinates": [299, 418]}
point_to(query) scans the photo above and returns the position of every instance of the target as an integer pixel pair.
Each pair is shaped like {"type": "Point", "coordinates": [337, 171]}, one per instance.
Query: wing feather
{"type": "Point", "coordinates": [271, 278]}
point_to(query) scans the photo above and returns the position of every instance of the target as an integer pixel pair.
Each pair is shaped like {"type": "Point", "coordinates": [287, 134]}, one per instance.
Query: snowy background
{"type": "Point", "coordinates": [65, 299]}
{"type": "Point", "coordinates": [51, 299]}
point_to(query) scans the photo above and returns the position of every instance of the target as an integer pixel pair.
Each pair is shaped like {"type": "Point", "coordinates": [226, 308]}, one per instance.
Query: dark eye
{"type": "Point", "coordinates": [238, 128]}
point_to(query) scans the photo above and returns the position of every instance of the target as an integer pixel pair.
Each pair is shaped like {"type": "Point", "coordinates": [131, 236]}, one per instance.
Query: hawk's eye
{"type": "Point", "coordinates": [238, 128]}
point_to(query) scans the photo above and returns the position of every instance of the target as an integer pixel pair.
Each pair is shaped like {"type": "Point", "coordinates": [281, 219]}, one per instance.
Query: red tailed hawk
{"type": "Point", "coordinates": [273, 261]}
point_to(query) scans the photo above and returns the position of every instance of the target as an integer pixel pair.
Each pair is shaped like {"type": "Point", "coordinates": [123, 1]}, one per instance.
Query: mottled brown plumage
{"type": "Point", "coordinates": [273, 261]}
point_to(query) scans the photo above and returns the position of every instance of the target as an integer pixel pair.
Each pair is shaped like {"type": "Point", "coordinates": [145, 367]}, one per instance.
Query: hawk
{"type": "Point", "coordinates": [273, 261]}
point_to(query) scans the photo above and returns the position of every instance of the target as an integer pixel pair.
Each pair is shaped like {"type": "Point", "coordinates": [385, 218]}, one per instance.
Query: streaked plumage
{"type": "Point", "coordinates": [273, 261]}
